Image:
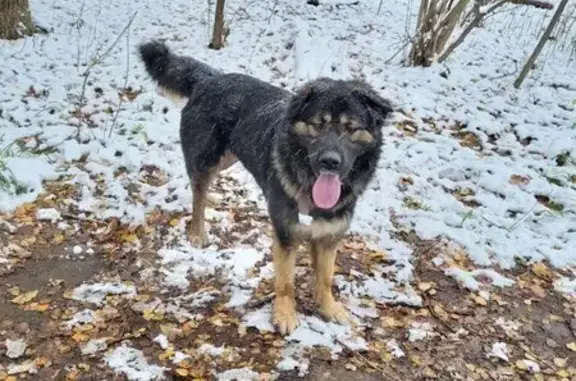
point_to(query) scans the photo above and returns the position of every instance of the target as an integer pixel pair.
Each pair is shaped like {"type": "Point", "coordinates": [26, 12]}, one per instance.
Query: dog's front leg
{"type": "Point", "coordinates": [285, 317]}
{"type": "Point", "coordinates": [323, 251]}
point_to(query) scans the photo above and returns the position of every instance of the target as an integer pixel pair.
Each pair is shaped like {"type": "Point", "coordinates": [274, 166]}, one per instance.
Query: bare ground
{"type": "Point", "coordinates": [537, 325]}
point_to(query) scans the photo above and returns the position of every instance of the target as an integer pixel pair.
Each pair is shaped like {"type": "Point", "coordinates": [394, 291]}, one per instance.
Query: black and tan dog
{"type": "Point", "coordinates": [312, 153]}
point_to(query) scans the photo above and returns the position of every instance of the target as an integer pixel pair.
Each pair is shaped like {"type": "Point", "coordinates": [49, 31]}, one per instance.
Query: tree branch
{"type": "Point", "coordinates": [533, 3]}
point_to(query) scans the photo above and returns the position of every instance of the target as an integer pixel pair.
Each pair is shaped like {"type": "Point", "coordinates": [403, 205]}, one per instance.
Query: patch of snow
{"type": "Point", "coordinates": [28, 366]}
{"type": "Point", "coordinates": [82, 317]}
{"type": "Point", "coordinates": [500, 351]}
{"type": "Point", "coordinates": [243, 374]}
{"type": "Point", "coordinates": [48, 214]}
{"type": "Point", "coordinates": [565, 285]}
{"type": "Point", "coordinates": [15, 348]}
{"type": "Point", "coordinates": [162, 340]}
{"type": "Point", "coordinates": [94, 346]}
{"type": "Point", "coordinates": [469, 278]}
{"type": "Point", "coordinates": [419, 331]}
{"type": "Point", "coordinates": [395, 349]}
{"type": "Point", "coordinates": [211, 350]}
{"type": "Point", "coordinates": [97, 292]}
{"type": "Point", "coordinates": [132, 363]}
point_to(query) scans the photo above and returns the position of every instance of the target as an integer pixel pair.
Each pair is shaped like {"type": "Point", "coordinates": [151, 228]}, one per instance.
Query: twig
{"type": "Point", "coordinates": [481, 16]}
{"type": "Point", "coordinates": [533, 3]}
{"type": "Point", "coordinates": [261, 301]}
{"type": "Point", "coordinates": [115, 119]}
{"type": "Point", "coordinates": [91, 66]}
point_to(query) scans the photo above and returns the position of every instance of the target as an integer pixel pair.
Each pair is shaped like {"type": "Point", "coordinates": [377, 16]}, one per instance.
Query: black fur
{"type": "Point", "coordinates": [255, 121]}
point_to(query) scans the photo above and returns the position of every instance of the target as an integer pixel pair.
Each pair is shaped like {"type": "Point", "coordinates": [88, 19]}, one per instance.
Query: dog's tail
{"type": "Point", "coordinates": [177, 75]}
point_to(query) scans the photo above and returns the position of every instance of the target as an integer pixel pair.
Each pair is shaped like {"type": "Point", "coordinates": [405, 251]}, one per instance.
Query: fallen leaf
{"type": "Point", "coordinates": [479, 300]}
{"type": "Point", "coordinates": [561, 363]}
{"type": "Point", "coordinates": [25, 298]}
{"type": "Point", "coordinates": [563, 373]}
{"type": "Point", "coordinates": [519, 180]}
{"type": "Point", "coordinates": [571, 346]}
{"type": "Point", "coordinates": [182, 372]}
{"type": "Point", "coordinates": [14, 291]}
{"type": "Point", "coordinates": [36, 307]}
{"type": "Point", "coordinates": [541, 271]}
{"type": "Point", "coordinates": [425, 286]}
{"type": "Point", "coordinates": [538, 290]}
{"type": "Point", "coordinates": [80, 337]}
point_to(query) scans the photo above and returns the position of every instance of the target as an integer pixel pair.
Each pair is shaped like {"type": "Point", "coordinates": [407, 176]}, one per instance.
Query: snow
{"type": "Point", "coordinates": [162, 340]}
{"type": "Point", "coordinates": [500, 351]}
{"type": "Point", "coordinates": [15, 348]}
{"type": "Point", "coordinates": [97, 292]}
{"type": "Point", "coordinates": [48, 214]}
{"type": "Point", "coordinates": [133, 364]}
{"type": "Point", "coordinates": [471, 92]}
{"type": "Point", "coordinates": [94, 346]}
{"type": "Point", "coordinates": [244, 374]}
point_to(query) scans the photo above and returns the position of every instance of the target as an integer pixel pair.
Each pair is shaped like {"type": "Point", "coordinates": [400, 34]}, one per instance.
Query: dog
{"type": "Point", "coordinates": [312, 152]}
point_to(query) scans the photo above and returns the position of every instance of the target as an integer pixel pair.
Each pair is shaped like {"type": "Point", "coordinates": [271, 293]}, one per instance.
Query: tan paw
{"type": "Point", "coordinates": [335, 312]}
{"type": "Point", "coordinates": [285, 317]}
{"type": "Point", "coordinates": [198, 240]}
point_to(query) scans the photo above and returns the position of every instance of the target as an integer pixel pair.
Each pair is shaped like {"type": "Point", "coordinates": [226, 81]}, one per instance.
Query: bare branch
{"type": "Point", "coordinates": [533, 3]}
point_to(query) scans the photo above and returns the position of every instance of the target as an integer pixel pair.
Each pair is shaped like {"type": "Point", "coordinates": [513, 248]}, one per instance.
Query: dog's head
{"type": "Point", "coordinates": [336, 122]}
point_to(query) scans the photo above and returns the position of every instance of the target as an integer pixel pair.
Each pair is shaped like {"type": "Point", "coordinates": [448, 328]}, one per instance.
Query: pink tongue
{"type": "Point", "coordinates": [326, 191]}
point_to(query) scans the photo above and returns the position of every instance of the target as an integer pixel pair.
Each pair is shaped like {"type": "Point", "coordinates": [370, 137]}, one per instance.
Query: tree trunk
{"type": "Point", "coordinates": [218, 35]}
{"type": "Point", "coordinates": [543, 40]}
{"type": "Point", "coordinates": [15, 19]}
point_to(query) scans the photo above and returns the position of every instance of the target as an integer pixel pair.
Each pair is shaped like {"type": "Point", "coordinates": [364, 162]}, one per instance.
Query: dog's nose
{"type": "Point", "coordinates": [330, 160]}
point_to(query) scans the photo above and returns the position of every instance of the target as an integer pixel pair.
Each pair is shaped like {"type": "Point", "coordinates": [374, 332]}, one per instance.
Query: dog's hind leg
{"type": "Point", "coordinates": [200, 185]}
{"type": "Point", "coordinates": [324, 253]}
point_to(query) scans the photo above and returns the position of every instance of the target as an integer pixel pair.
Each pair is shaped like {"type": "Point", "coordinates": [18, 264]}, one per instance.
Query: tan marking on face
{"type": "Point", "coordinates": [316, 119]}
{"type": "Point", "coordinates": [300, 128]}
{"type": "Point", "coordinates": [344, 119]}
{"type": "Point", "coordinates": [362, 136]}
{"type": "Point", "coordinates": [327, 118]}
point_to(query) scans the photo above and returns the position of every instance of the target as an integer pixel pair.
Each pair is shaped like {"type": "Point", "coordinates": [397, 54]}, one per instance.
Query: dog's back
{"type": "Point", "coordinates": [225, 111]}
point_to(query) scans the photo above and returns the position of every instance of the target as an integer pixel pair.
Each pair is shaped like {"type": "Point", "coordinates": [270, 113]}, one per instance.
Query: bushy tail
{"type": "Point", "coordinates": [176, 74]}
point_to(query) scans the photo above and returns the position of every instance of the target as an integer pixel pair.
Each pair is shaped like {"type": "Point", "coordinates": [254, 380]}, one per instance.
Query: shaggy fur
{"type": "Point", "coordinates": [285, 140]}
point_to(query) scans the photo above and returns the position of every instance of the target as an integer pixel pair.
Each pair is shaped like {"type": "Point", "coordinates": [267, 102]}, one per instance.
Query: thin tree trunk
{"type": "Point", "coordinates": [218, 34]}
{"type": "Point", "coordinates": [15, 19]}
{"type": "Point", "coordinates": [543, 40]}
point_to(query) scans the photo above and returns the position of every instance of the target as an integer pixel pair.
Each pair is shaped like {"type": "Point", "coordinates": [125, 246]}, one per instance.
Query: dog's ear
{"type": "Point", "coordinates": [300, 100]}
{"type": "Point", "coordinates": [379, 107]}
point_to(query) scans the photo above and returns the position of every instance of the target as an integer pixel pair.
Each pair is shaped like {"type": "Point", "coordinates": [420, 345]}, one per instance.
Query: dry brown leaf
{"type": "Point", "coordinates": [519, 180]}
{"type": "Point", "coordinates": [80, 337]}
{"type": "Point", "coordinates": [541, 271]}
{"type": "Point", "coordinates": [182, 372]}
{"type": "Point", "coordinates": [25, 298]}
{"type": "Point", "coordinates": [538, 290]}
{"type": "Point", "coordinates": [14, 291]}
{"type": "Point", "coordinates": [425, 286]}
{"type": "Point", "coordinates": [479, 300]}
{"type": "Point", "coordinates": [559, 362]}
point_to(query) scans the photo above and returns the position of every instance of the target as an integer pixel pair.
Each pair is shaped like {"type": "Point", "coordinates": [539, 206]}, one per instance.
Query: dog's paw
{"type": "Point", "coordinates": [335, 312]}
{"type": "Point", "coordinates": [198, 241]}
{"type": "Point", "coordinates": [285, 317]}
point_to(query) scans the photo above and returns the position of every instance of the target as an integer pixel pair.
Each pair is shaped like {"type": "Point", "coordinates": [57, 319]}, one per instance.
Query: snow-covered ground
{"type": "Point", "coordinates": [506, 200]}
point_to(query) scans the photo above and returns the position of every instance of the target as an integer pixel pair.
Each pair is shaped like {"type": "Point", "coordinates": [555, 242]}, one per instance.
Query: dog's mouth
{"type": "Point", "coordinates": [326, 190]}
